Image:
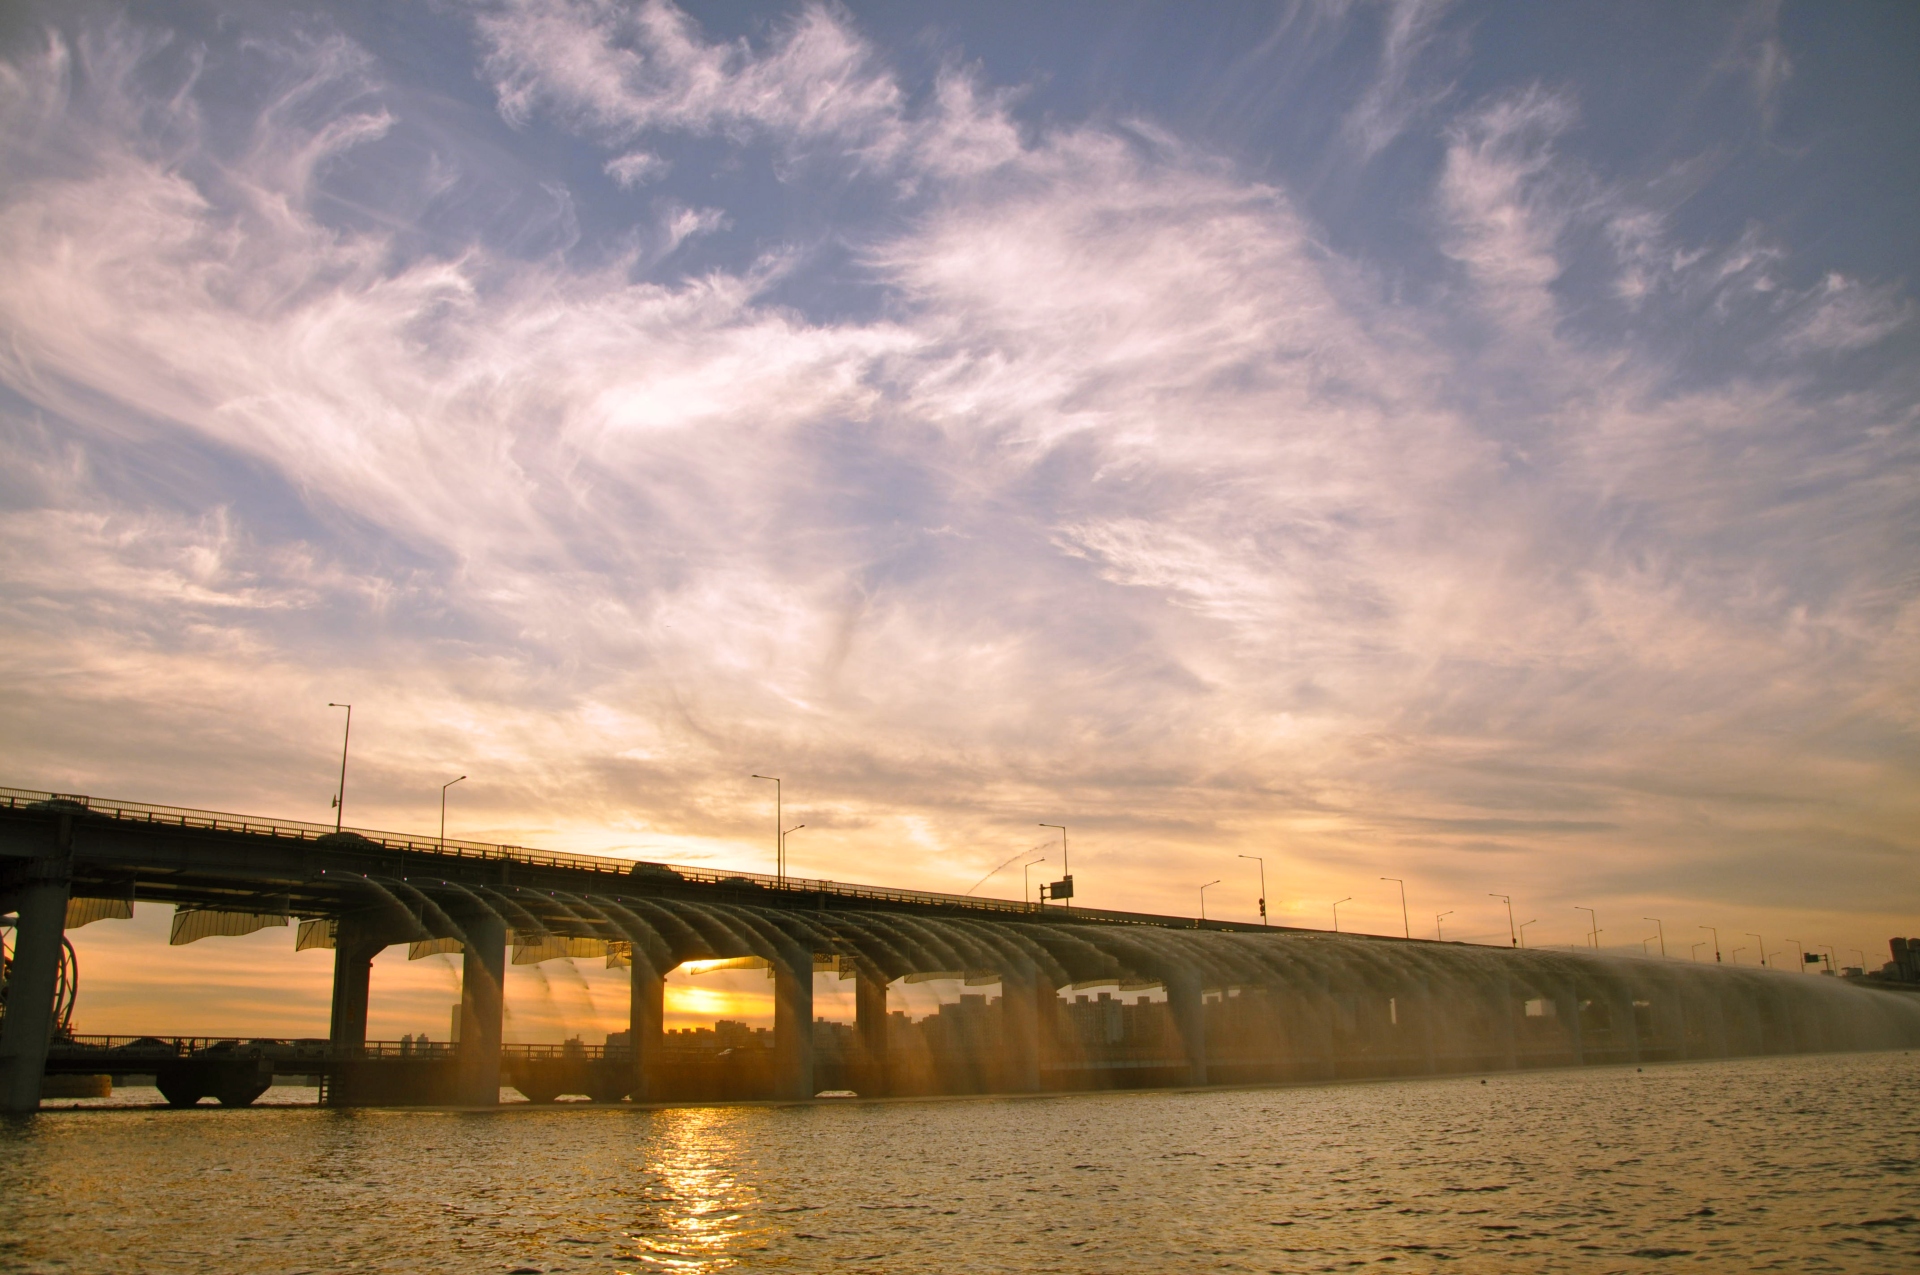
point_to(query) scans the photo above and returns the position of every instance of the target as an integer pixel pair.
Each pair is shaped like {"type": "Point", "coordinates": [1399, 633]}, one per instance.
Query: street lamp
{"type": "Point", "coordinates": [1203, 897]}
{"type": "Point", "coordinates": [1595, 917]}
{"type": "Point", "coordinates": [1833, 959]}
{"type": "Point", "coordinates": [783, 847]}
{"type": "Point", "coordinates": [1863, 958]}
{"type": "Point", "coordinates": [1523, 930]}
{"type": "Point", "coordinates": [1663, 934]}
{"type": "Point", "coordinates": [1405, 925]}
{"type": "Point", "coordinates": [443, 811]}
{"type": "Point", "coordinates": [1803, 953]}
{"type": "Point", "coordinates": [1263, 884]}
{"type": "Point", "coordinates": [779, 842]}
{"type": "Point", "coordinates": [1512, 937]}
{"type": "Point", "coordinates": [1716, 943]}
{"type": "Point", "coordinates": [1026, 877]}
{"type": "Point", "coordinates": [1438, 937]}
{"type": "Point", "coordinates": [1336, 913]}
{"type": "Point", "coordinates": [1763, 947]}
{"type": "Point", "coordinates": [1696, 949]}
{"type": "Point", "coordinates": [1066, 871]}
{"type": "Point", "coordinates": [1736, 954]}
{"type": "Point", "coordinates": [340, 796]}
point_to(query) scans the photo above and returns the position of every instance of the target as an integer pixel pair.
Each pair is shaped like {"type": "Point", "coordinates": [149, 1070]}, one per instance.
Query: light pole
{"type": "Point", "coordinates": [1763, 947]}
{"type": "Point", "coordinates": [340, 797]}
{"type": "Point", "coordinates": [779, 842]}
{"type": "Point", "coordinates": [1863, 958]}
{"type": "Point", "coordinates": [1336, 913]}
{"type": "Point", "coordinates": [1438, 937]}
{"type": "Point", "coordinates": [1595, 916]}
{"type": "Point", "coordinates": [1736, 954]}
{"type": "Point", "coordinates": [443, 811]}
{"type": "Point", "coordinates": [1066, 871]}
{"type": "Point", "coordinates": [783, 849]}
{"type": "Point", "coordinates": [1696, 950]}
{"type": "Point", "coordinates": [1405, 925]}
{"type": "Point", "coordinates": [1263, 884]}
{"type": "Point", "coordinates": [1803, 953]}
{"type": "Point", "coordinates": [1833, 959]}
{"type": "Point", "coordinates": [1203, 897]}
{"type": "Point", "coordinates": [1511, 936]}
{"type": "Point", "coordinates": [1663, 934]}
{"type": "Point", "coordinates": [1523, 930]}
{"type": "Point", "coordinates": [1716, 943]}
{"type": "Point", "coordinates": [1026, 877]}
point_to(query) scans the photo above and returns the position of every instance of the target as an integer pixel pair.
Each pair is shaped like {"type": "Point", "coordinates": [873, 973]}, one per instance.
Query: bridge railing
{"type": "Point", "coordinates": [426, 849]}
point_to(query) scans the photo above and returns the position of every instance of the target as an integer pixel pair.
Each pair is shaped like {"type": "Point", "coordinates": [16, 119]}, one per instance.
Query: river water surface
{"type": "Point", "coordinates": [1808, 1163]}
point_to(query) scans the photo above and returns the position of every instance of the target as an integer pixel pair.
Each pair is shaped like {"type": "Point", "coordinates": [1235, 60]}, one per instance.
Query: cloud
{"type": "Point", "coordinates": [1115, 491]}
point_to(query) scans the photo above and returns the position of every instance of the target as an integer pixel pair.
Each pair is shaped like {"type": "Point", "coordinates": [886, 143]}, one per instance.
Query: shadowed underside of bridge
{"type": "Point", "coordinates": [1232, 1003]}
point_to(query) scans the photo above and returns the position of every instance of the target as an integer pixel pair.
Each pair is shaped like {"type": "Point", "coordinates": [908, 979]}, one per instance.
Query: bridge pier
{"type": "Point", "coordinates": [41, 906]}
{"type": "Point", "coordinates": [354, 947]}
{"type": "Point", "coordinates": [483, 972]}
{"type": "Point", "coordinates": [1020, 1031]}
{"type": "Point", "coordinates": [870, 1028]}
{"type": "Point", "coordinates": [1185, 1001]}
{"type": "Point", "coordinates": [646, 1024]}
{"type": "Point", "coordinates": [793, 1025]}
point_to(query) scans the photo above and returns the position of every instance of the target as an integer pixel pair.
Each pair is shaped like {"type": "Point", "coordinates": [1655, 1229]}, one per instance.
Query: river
{"type": "Point", "coordinates": [1805, 1163]}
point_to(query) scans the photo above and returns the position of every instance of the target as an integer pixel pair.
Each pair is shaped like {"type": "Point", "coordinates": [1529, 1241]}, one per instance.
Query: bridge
{"type": "Point", "coordinates": [1214, 1001]}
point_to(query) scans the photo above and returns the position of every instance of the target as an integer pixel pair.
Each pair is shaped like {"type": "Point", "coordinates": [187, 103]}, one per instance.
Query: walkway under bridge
{"type": "Point", "coordinates": [1081, 998]}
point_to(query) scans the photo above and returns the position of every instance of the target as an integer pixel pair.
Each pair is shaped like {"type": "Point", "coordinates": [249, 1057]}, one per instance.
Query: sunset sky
{"type": "Point", "coordinates": [1477, 444]}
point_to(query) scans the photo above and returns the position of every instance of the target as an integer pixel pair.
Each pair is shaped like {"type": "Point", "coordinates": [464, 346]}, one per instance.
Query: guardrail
{"type": "Point", "coordinates": [433, 847]}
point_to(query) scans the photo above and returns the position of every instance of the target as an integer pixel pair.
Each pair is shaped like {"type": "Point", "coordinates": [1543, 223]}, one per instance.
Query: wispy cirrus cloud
{"type": "Point", "coordinates": [1120, 490]}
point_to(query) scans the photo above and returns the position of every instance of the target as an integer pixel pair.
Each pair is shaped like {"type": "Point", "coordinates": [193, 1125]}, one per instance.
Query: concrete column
{"type": "Point", "coordinates": [1567, 1006]}
{"type": "Point", "coordinates": [354, 948]}
{"type": "Point", "coordinates": [1429, 1028]}
{"type": "Point", "coordinates": [793, 1026]}
{"type": "Point", "coordinates": [870, 1028]}
{"type": "Point", "coordinates": [646, 1024]}
{"type": "Point", "coordinates": [28, 1028]}
{"type": "Point", "coordinates": [1020, 1032]}
{"type": "Point", "coordinates": [483, 973]}
{"type": "Point", "coordinates": [1189, 1020]}
{"type": "Point", "coordinates": [1505, 1048]}
{"type": "Point", "coordinates": [1626, 1032]}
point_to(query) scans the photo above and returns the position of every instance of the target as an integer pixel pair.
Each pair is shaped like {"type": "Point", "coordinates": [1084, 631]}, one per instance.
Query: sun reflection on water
{"type": "Point", "coordinates": [700, 1222]}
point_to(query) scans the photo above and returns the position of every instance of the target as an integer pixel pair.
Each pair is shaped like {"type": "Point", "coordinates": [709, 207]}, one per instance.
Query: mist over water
{"type": "Point", "coordinates": [1803, 1163]}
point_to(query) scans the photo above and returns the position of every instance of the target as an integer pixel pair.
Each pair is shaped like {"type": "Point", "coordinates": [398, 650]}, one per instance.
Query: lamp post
{"type": "Point", "coordinates": [1026, 877]}
{"type": "Point", "coordinates": [1523, 930]}
{"type": "Point", "coordinates": [1405, 925]}
{"type": "Point", "coordinates": [1833, 959]}
{"type": "Point", "coordinates": [1696, 950]}
{"type": "Point", "coordinates": [443, 811]}
{"type": "Point", "coordinates": [783, 848]}
{"type": "Point", "coordinates": [1203, 897]}
{"type": "Point", "coordinates": [1336, 913]}
{"type": "Point", "coordinates": [1663, 934]}
{"type": "Point", "coordinates": [1763, 947]}
{"type": "Point", "coordinates": [1066, 870]}
{"type": "Point", "coordinates": [1736, 954]}
{"type": "Point", "coordinates": [1438, 937]}
{"type": "Point", "coordinates": [1512, 937]}
{"type": "Point", "coordinates": [779, 842]}
{"type": "Point", "coordinates": [1863, 958]}
{"type": "Point", "coordinates": [1803, 953]}
{"type": "Point", "coordinates": [1595, 917]}
{"type": "Point", "coordinates": [1263, 884]}
{"type": "Point", "coordinates": [340, 796]}
{"type": "Point", "coordinates": [1716, 943]}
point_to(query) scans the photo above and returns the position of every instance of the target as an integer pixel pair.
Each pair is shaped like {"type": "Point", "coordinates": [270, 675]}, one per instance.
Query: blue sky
{"type": "Point", "coordinates": [1467, 443]}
